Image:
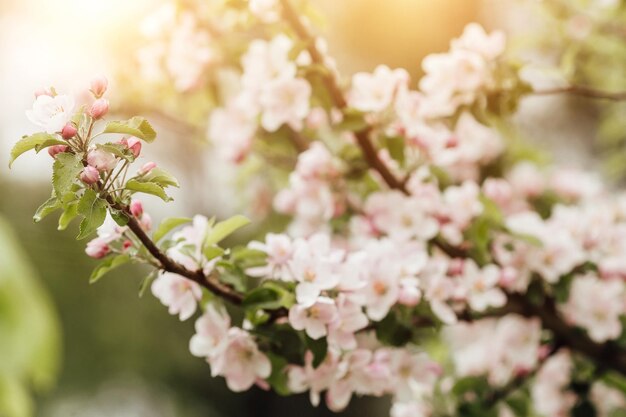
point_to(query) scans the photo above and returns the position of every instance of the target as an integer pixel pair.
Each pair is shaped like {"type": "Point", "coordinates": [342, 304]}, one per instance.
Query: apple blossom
{"type": "Point", "coordinates": [102, 160]}
{"type": "Point", "coordinates": [375, 92]}
{"type": "Point", "coordinates": [314, 318]}
{"type": "Point", "coordinates": [285, 101]}
{"type": "Point", "coordinates": [51, 113]}
{"type": "Point", "coordinates": [179, 294]}
{"type": "Point", "coordinates": [136, 208]}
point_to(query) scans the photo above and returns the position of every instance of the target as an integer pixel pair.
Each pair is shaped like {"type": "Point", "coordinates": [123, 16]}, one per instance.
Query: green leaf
{"type": "Point", "coordinates": [118, 149]}
{"type": "Point", "coordinates": [352, 121]}
{"type": "Point", "coordinates": [392, 331]}
{"type": "Point", "coordinates": [161, 177]}
{"type": "Point", "coordinates": [269, 296]}
{"type": "Point", "coordinates": [395, 146]}
{"type": "Point", "coordinates": [319, 348]}
{"type": "Point", "coordinates": [167, 225]}
{"type": "Point", "coordinates": [49, 206]}
{"type": "Point", "coordinates": [278, 378]}
{"type": "Point", "coordinates": [137, 127]}
{"type": "Point", "coordinates": [107, 265]}
{"type": "Point", "coordinates": [27, 143]}
{"type": "Point", "coordinates": [145, 283]}
{"type": "Point", "coordinates": [147, 188]}
{"type": "Point", "coordinates": [70, 213]}
{"type": "Point", "coordinates": [212, 252]}
{"type": "Point", "coordinates": [65, 169]}
{"type": "Point", "coordinates": [94, 209]}
{"type": "Point", "coordinates": [223, 229]}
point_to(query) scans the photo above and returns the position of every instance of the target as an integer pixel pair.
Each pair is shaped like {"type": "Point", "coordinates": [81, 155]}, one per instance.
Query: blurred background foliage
{"type": "Point", "coordinates": [124, 356]}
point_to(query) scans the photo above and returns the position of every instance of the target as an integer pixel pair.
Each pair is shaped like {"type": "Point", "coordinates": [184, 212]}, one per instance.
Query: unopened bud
{"type": "Point", "coordinates": [134, 145]}
{"type": "Point", "coordinates": [43, 92]}
{"type": "Point", "coordinates": [68, 131]}
{"type": "Point", "coordinates": [99, 86]}
{"type": "Point", "coordinates": [136, 208]}
{"type": "Point", "coordinates": [57, 149]}
{"type": "Point", "coordinates": [89, 175]}
{"type": "Point", "coordinates": [127, 245]}
{"type": "Point", "coordinates": [146, 222]}
{"type": "Point", "coordinates": [147, 167]}
{"type": "Point", "coordinates": [99, 108]}
{"type": "Point", "coordinates": [97, 248]}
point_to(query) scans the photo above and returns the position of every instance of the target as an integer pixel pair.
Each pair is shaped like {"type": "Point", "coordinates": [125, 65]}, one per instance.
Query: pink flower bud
{"type": "Point", "coordinates": [57, 149]}
{"type": "Point", "coordinates": [43, 92]}
{"type": "Point", "coordinates": [99, 86]}
{"type": "Point", "coordinates": [127, 245]}
{"type": "Point", "coordinates": [97, 248]}
{"type": "Point", "coordinates": [147, 167]}
{"type": "Point", "coordinates": [99, 108]}
{"type": "Point", "coordinates": [146, 222]}
{"type": "Point", "coordinates": [134, 145]}
{"type": "Point", "coordinates": [90, 175]}
{"type": "Point", "coordinates": [136, 208]}
{"type": "Point", "coordinates": [68, 131]}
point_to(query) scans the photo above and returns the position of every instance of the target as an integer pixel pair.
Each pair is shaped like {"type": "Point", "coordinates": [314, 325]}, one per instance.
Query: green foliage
{"type": "Point", "coordinates": [278, 379]}
{"type": "Point", "coordinates": [38, 141]}
{"type": "Point", "coordinates": [167, 225]}
{"type": "Point", "coordinates": [107, 265]}
{"type": "Point", "coordinates": [65, 170]}
{"type": "Point", "coordinates": [319, 349]}
{"type": "Point", "coordinates": [69, 214]}
{"type": "Point", "coordinates": [392, 331]}
{"type": "Point", "coordinates": [136, 126]}
{"type": "Point", "coordinates": [29, 332]}
{"type": "Point", "coordinates": [118, 150]}
{"type": "Point", "coordinates": [147, 188]}
{"type": "Point", "coordinates": [161, 177]}
{"type": "Point", "coordinates": [225, 228]}
{"type": "Point", "coordinates": [94, 211]}
{"type": "Point", "coordinates": [49, 206]}
{"type": "Point", "coordinates": [269, 296]}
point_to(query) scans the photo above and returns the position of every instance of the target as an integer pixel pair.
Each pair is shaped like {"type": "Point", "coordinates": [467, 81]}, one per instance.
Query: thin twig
{"type": "Point", "coordinates": [583, 91]}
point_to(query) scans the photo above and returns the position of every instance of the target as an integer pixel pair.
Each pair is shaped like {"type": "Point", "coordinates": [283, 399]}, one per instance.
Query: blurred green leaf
{"type": "Point", "coordinates": [225, 228]}
{"type": "Point", "coordinates": [167, 225]}
{"type": "Point", "coordinates": [108, 265]}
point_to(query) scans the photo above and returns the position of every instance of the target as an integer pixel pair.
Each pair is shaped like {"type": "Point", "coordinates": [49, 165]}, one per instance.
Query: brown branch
{"type": "Point", "coordinates": [210, 282]}
{"type": "Point", "coordinates": [362, 136]}
{"type": "Point", "coordinates": [583, 91]}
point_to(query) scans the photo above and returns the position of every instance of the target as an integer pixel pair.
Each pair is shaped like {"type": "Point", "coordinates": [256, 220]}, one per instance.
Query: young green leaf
{"type": "Point", "coordinates": [46, 208]}
{"type": "Point", "coordinates": [212, 252]}
{"type": "Point", "coordinates": [117, 149]}
{"type": "Point", "coordinates": [223, 229]}
{"type": "Point", "coordinates": [35, 141]}
{"type": "Point", "coordinates": [148, 188]}
{"type": "Point", "coordinates": [107, 265]}
{"type": "Point", "coordinates": [167, 225]}
{"type": "Point", "coordinates": [65, 169]}
{"type": "Point", "coordinates": [137, 127]}
{"type": "Point", "coordinates": [70, 213]}
{"type": "Point", "coordinates": [145, 283]}
{"type": "Point", "coordinates": [161, 177]}
{"type": "Point", "coordinates": [94, 209]}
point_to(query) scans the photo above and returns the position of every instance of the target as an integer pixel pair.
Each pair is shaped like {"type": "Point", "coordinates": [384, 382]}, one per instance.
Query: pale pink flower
{"type": "Point", "coordinates": [350, 319]}
{"type": "Point", "coordinates": [285, 101]}
{"type": "Point", "coordinates": [475, 39]}
{"type": "Point", "coordinates": [99, 108]}
{"type": "Point", "coordinates": [279, 250]}
{"type": "Point", "coordinates": [265, 10]}
{"type": "Point", "coordinates": [232, 129]}
{"type": "Point", "coordinates": [99, 85]}
{"type": "Point", "coordinates": [241, 363]}
{"type": "Point", "coordinates": [89, 175]}
{"type": "Point", "coordinates": [375, 92]}
{"type": "Point", "coordinates": [314, 319]}
{"type": "Point", "coordinates": [178, 293]}
{"type": "Point", "coordinates": [265, 61]}
{"type": "Point", "coordinates": [211, 338]}
{"type": "Point", "coordinates": [102, 160]}
{"type": "Point", "coordinates": [548, 393]}
{"type": "Point", "coordinates": [51, 113]}
{"type": "Point", "coordinates": [596, 306]}
{"type": "Point", "coordinates": [481, 286]}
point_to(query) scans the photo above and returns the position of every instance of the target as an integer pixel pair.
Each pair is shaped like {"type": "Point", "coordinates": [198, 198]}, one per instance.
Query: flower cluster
{"type": "Point", "coordinates": [415, 232]}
